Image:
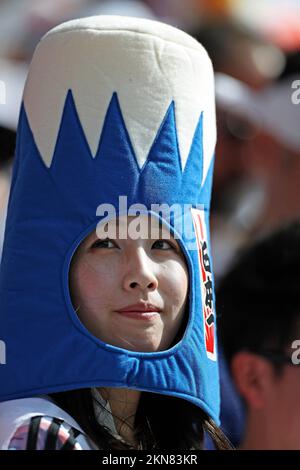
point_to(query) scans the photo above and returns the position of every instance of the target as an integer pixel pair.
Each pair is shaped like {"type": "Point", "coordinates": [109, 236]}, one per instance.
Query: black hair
{"type": "Point", "coordinates": [7, 148]}
{"type": "Point", "coordinates": [161, 423]}
{"type": "Point", "coordinates": [292, 65]}
{"type": "Point", "coordinates": [218, 37]}
{"type": "Point", "coordinates": [258, 301]}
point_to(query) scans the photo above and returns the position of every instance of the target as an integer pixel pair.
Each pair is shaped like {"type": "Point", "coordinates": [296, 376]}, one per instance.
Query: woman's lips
{"type": "Point", "coordinates": [140, 311]}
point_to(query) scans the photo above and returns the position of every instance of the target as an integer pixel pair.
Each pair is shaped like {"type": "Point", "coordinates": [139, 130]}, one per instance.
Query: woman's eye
{"type": "Point", "coordinates": [163, 245]}
{"type": "Point", "coordinates": [107, 243]}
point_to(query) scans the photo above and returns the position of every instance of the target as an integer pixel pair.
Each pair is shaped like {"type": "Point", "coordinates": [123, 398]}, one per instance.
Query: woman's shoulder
{"type": "Point", "coordinates": [45, 433]}
{"type": "Point", "coordinates": [38, 423]}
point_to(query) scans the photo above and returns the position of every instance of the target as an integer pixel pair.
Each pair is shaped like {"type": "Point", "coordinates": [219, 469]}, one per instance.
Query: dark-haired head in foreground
{"type": "Point", "coordinates": [258, 304]}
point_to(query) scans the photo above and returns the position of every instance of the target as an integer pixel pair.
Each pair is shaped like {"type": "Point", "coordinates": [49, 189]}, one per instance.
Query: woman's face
{"type": "Point", "coordinates": [146, 276]}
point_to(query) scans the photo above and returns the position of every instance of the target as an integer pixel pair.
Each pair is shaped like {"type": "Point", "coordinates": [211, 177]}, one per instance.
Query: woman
{"type": "Point", "coordinates": [106, 268]}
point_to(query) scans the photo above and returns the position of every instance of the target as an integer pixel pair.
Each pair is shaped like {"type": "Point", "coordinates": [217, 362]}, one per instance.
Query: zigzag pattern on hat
{"type": "Point", "coordinates": [115, 167]}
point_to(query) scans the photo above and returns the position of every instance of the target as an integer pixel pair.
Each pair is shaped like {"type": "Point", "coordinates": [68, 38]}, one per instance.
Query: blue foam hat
{"type": "Point", "coordinates": [112, 106]}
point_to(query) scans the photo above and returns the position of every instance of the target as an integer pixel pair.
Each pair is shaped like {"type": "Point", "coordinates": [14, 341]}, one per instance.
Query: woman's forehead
{"type": "Point", "coordinates": [145, 226]}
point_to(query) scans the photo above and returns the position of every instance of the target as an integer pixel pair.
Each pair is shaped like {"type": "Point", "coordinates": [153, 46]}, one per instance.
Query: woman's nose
{"type": "Point", "coordinates": [140, 272]}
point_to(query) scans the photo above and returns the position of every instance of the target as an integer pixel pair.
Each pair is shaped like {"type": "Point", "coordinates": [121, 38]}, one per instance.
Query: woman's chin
{"type": "Point", "coordinates": [139, 346]}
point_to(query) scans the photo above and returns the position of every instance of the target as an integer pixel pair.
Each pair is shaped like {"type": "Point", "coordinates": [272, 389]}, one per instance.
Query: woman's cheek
{"type": "Point", "coordinates": [87, 282]}
{"type": "Point", "coordinates": [174, 282]}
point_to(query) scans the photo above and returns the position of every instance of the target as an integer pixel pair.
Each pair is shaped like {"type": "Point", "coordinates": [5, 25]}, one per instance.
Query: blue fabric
{"type": "Point", "coordinates": [233, 413]}
{"type": "Point", "coordinates": [50, 211]}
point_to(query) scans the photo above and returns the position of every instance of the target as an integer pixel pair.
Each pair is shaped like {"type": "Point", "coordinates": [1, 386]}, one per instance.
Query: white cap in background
{"type": "Point", "coordinates": [274, 109]}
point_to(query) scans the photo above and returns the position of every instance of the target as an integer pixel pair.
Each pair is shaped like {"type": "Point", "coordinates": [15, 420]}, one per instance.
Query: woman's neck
{"type": "Point", "coordinates": [123, 403]}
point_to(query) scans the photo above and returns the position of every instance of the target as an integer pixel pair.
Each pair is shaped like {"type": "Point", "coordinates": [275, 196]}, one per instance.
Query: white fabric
{"type": "Point", "coordinates": [15, 413]}
{"type": "Point", "coordinates": [147, 63]}
{"type": "Point", "coordinates": [103, 413]}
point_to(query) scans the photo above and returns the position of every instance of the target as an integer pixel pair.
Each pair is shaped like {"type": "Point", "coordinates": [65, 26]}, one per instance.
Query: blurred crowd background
{"type": "Point", "coordinates": [255, 49]}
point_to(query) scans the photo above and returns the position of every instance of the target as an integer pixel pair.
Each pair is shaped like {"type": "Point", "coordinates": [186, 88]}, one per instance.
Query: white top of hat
{"type": "Point", "coordinates": [146, 62]}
